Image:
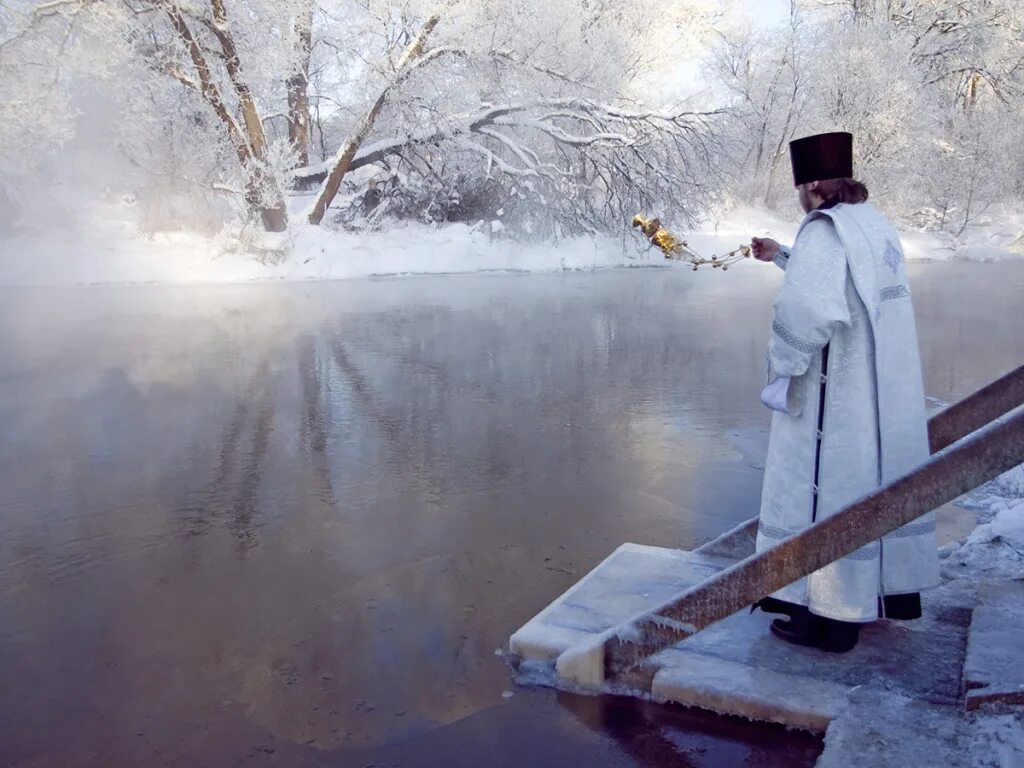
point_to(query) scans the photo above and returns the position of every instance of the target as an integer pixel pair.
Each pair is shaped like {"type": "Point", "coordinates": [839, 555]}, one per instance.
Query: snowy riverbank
{"type": "Point", "coordinates": [110, 249]}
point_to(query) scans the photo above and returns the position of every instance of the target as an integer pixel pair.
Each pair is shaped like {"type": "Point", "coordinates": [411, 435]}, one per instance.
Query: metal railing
{"type": "Point", "coordinates": [960, 466]}
{"type": "Point", "coordinates": [944, 428]}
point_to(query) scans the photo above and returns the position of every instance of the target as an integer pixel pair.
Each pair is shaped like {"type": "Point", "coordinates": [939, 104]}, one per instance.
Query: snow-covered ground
{"type": "Point", "coordinates": [110, 249]}
{"type": "Point", "coordinates": [995, 549]}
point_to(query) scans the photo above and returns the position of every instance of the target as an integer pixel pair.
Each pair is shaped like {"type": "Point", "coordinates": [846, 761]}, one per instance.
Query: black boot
{"type": "Point", "coordinates": [900, 607]}
{"type": "Point", "coordinates": [806, 629]}
{"type": "Point", "coordinates": [799, 629]}
{"type": "Point", "coordinates": [837, 636]}
{"type": "Point", "coordinates": [774, 605]}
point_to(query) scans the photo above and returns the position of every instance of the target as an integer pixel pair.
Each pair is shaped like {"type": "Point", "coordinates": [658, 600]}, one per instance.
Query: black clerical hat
{"type": "Point", "coordinates": [820, 157]}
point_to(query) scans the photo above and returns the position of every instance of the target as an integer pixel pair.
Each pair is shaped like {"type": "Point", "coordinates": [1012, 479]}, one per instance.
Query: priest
{"type": "Point", "coordinates": [844, 384]}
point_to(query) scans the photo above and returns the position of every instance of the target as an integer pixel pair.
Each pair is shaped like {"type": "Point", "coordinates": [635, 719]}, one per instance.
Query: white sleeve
{"type": "Point", "coordinates": [812, 302]}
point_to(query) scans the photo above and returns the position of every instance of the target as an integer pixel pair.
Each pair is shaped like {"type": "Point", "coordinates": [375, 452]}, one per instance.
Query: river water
{"type": "Point", "coordinates": [290, 525]}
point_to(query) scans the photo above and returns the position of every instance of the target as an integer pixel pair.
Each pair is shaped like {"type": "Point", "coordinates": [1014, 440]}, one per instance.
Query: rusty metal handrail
{"type": "Point", "coordinates": [944, 428]}
{"type": "Point", "coordinates": [947, 475]}
{"type": "Point", "coordinates": [975, 411]}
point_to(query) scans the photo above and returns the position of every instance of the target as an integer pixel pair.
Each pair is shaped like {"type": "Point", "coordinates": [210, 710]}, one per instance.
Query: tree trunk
{"type": "Point", "coordinates": [343, 160]}
{"type": "Point", "coordinates": [273, 215]}
{"type": "Point", "coordinates": [298, 90]}
{"type": "Point", "coordinates": [250, 144]}
{"type": "Point", "coordinates": [232, 63]}
{"type": "Point", "coordinates": [260, 184]}
{"type": "Point", "coordinates": [971, 91]}
{"type": "Point", "coordinates": [342, 164]}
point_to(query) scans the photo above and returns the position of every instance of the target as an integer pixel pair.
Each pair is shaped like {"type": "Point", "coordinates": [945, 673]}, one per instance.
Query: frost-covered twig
{"type": "Point", "coordinates": [212, 187]}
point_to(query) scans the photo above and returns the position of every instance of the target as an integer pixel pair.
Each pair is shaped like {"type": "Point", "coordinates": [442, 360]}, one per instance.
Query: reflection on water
{"type": "Point", "coordinates": [659, 735]}
{"type": "Point", "coordinates": [289, 524]}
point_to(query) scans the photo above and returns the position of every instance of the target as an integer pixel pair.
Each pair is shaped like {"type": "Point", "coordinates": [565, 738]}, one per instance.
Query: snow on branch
{"type": "Point", "coordinates": [551, 112]}
{"type": "Point", "coordinates": [210, 186]}
{"type": "Point", "coordinates": [494, 160]}
{"type": "Point", "coordinates": [576, 164]}
{"type": "Point", "coordinates": [551, 72]}
{"type": "Point", "coordinates": [529, 159]}
{"type": "Point", "coordinates": [563, 136]}
{"type": "Point", "coordinates": [54, 7]}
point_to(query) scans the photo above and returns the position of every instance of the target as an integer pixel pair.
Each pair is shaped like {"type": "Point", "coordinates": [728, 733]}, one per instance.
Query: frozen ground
{"type": "Point", "coordinates": [110, 249]}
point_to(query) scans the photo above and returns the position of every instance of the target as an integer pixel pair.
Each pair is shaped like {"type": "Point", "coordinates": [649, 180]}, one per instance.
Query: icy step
{"type": "Point", "coordinates": [737, 666]}
{"type": "Point", "coordinates": [634, 578]}
{"type": "Point", "coordinates": [737, 543]}
{"type": "Point", "coordinates": [732, 688]}
{"type": "Point", "coordinates": [994, 668]}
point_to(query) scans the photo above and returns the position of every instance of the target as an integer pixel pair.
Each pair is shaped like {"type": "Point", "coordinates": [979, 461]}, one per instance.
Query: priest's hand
{"type": "Point", "coordinates": [764, 248]}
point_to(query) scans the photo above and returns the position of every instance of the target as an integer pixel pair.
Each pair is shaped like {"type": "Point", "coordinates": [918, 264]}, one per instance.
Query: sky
{"type": "Point", "coordinates": [766, 12]}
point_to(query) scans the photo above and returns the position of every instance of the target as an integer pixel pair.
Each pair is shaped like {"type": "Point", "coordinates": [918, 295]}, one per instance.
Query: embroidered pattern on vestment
{"type": "Point", "coordinates": [772, 532]}
{"type": "Point", "coordinates": [867, 552]}
{"type": "Point", "coordinates": [893, 292]}
{"type": "Point", "coordinates": [796, 342]}
{"type": "Point", "coordinates": [892, 256]}
{"type": "Point", "coordinates": [912, 529]}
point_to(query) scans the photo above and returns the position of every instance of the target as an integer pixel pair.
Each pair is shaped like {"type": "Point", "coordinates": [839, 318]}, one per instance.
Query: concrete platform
{"type": "Point", "coordinates": [737, 667]}
{"type": "Point", "coordinates": [890, 730]}
{"type": "Point", "coordinates": [994, 668]}
{"type": "Point", "coordinates": [876, 731]}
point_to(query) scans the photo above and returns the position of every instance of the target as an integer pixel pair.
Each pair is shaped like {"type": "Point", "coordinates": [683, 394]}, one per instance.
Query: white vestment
{"type": "Point", "coordinates": [846, 287]}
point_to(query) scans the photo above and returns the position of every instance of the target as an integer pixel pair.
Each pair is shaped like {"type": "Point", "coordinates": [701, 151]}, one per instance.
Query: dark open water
{"type": "Point", "coordinates": [290, 525]}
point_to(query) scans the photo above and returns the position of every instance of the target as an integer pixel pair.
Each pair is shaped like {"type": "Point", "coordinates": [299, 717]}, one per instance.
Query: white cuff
{"type": "Point", "coordinates": [776, 394]}
{"type": "Point", "coordinates": [782, 257]}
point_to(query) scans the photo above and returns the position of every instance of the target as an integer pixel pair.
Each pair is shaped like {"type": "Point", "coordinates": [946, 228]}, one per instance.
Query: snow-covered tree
{"type": "Point", "coordinates": [521, 105]}
{"type": "Point", "coordinates": [925, 85]}
{"type": "Point", "coordinates": [546, 114]}
{"type": "Point", "coordinates": [216, 66]}
{"type": "Point", "coordinates": [966, 47]}
{"type": "Point", "coordinates": [765, 79]}
{"type": "Point", "coordinates": [536, 110]}
{"type": "Point", "coordinates": [36, 113]}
